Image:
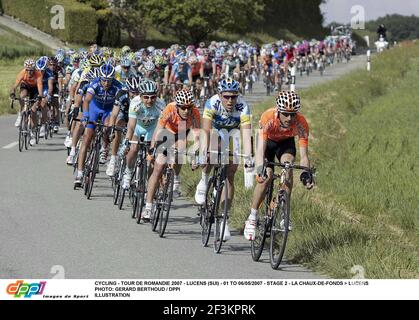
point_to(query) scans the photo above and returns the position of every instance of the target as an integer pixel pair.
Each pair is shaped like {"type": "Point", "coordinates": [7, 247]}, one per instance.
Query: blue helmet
{"type": "Point", "coordinates": [42, 63]}
{"type": "Point", "coordinates": [228, 85]}
{"type": "Point", "coordinates": [107, 71]}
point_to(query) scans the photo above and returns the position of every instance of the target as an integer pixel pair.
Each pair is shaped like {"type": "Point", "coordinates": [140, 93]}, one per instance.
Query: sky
{"type": "Point", "coordinates": [340, 10]}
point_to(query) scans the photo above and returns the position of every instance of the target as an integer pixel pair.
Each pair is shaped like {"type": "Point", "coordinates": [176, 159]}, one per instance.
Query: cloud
{"type": "Point", "coordinates": [340, 10]}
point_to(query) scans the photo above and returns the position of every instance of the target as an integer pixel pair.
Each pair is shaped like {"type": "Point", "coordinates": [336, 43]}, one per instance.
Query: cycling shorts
{"type": "Point", "coordinates": [95, 111]}
{"type": "Point", "coordinates": [278, 149]}
{"type": "Point", "coordinates": [146, 132]}
{"type": "Point", "coordinates": [32, 91]}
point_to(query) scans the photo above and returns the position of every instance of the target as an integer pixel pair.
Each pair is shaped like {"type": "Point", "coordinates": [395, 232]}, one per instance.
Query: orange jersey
{"type": "Point", "coordinates": [170, 119]}
{"type": "Point", "coordinates": [196, 69]}
{"type": "Point", "coordinates": [34, 81]}
{"type": "Point", "coordinates": [272, 130]}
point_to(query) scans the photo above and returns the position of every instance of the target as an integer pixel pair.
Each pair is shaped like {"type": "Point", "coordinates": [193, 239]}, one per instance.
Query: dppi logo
{"type": "Point", "coordinates": [19, 289]}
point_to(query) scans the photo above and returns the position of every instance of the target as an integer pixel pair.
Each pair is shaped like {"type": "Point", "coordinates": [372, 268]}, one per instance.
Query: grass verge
{"type": "Point", "coordinates": [364, 211]}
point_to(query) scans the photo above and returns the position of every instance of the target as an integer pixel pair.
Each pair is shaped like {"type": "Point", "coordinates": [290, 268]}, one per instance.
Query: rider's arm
{"type": "Point", "coordinates": [201, 71]}
{"type": "Point", "coordinates": [19, 79]}
{"type": "Point", "coordinates": [114, 114]}
{"type": "Point", "coordinates": [190, 76]}
{"type": "Point", "coordinates": [132, 122]}
{"type": "Point", "coordinates": [39, 84]}
{"type": "Point", "coordinates": [87, 99]}
{"type": "Point", "coordinates": [304, 161]}
{"type": "Point", "coordinates": [50, 86]}
{"type": "Point", "coordinates": [260, 152]}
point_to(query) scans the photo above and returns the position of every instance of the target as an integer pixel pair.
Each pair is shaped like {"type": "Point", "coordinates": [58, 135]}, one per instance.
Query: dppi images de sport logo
{"type": "Point", "coordinates": [27, 290]}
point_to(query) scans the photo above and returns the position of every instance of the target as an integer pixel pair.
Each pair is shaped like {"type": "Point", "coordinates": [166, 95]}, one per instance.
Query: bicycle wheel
{"type": "Point", "coordinates": [22, 132]}
{"type": "Point", "coordinates": [207, 213]}
{"type": "Point", "coordinates": [262, 227]}
{"type": "Point", "coordinates": [141, 191]}
{"type": "Point", "coordinates": [220, 213]}
{"type": "Point", "coordinates": [279, 231]}
{"type": "Point", "coordinates": [155, 213]}
{"type": "Point", "coordinates": [166, 202]}
{"type": "Point", "coordinates": [121, 198]}
{"type": "Point", "coordinates": [92, 173]}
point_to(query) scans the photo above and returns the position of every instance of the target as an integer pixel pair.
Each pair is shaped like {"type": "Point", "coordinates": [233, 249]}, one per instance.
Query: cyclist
{"type": "Point", "coordinates": [225, 112]}
{"type": "Point", "coordinates": [119, 117]}
{"type": "Point", "coordinates": [181, 73]}
{"type": "Point", "coordinates": [55, 75]}
{"type": "Point", "coordinates": [144, 112]}
{"type": "Point", "coordinates": [278, 127]}
{"type": "Point", "coordinates": [125, 70]}
{"type": "Point", "coordinates": [30, 82]}
{"type": "Point", "coordinates": [99, 99]}
{"type": "Point", "coordinates": [41, 65]}
{"type": "Point", "coordinates": [177, 119]}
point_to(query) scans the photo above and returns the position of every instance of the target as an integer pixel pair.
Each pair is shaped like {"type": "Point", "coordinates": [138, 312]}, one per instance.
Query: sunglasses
{"type": "Point", "coordinates": [185, 108]}
{"type": "Point", "coordinates": [106, 80]}
{"type": "Point", "coordinates": [146, 97]}
{"type": "Point", "coordinates": [230, 97]}
{"type": "Point", "coordinates": [288, 114]}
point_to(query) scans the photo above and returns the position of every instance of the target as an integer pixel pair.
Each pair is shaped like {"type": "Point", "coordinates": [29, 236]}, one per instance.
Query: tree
{"type": "Point", "coordinates": [131, 19]}
{"type": "Point", "coordinates": [194, 20]}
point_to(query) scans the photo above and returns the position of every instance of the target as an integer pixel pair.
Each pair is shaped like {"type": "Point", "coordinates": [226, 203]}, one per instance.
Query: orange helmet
{"type": "Point", "coordinates": [184, 97]}
{"type": "Point", "coordinates": [288, 101]}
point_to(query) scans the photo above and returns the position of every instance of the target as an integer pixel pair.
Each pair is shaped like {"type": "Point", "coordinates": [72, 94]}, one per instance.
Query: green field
{"type": "Point", "coordinates": [365, 208]}
{"type": "Point", "coordinates": [14, 49]}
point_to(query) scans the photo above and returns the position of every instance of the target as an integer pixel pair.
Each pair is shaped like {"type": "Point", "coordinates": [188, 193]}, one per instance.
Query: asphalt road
{"type": "Point", "coordinates": [45, 223]}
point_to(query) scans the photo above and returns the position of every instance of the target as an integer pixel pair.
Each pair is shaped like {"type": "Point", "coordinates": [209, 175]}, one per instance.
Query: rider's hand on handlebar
{"type": "Point", "coordinates": [12, 95]}
{"type": "Point", "coordinates": [307, 179]}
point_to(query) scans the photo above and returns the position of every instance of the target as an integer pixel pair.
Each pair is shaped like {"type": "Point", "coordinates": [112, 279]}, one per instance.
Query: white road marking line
{"type": "Point", "coordinates": [11, 145]}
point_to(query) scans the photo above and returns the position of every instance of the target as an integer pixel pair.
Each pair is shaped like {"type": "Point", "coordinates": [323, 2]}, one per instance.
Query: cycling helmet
{"type": "Point", "coordinates": [71, 52]}
{"type": "Point", "coordinates": [107, 71]}
{"type": "Point", "coordinates": [228, 85]}
{"type": "Point", "coordinates": [41, 63]}
{"type": "Point", "coordinates": [53, 60]}
{"type": "Point", "coordinates": [158, 60]}
{"type": "Point", "coordinates": [288, 101]}
{"type": "Point", "coordinates": [184, 97]}
{"type": "Point", "coordinates": [149, 66]}
{"type": "Point", "coordinates": [59, 57]}
{"type": "Point", "coordinates": [133, 84]}
{"type": "Point", "coordinates": [151, 49]}
{"type": "Point", "coordinates": [84, 64]}
{"type": "Point", "coordinates": [125, 50]}
{"type": "Point", "coordinates": [92, 74]}
{"type": "Point", "coordinates": [95, 60]}
{"type": "Point", "coordinates": [75, 57]}
{"type": "Point", "coordinates": [148, 87]}
{"type": "Point", "coordinates": [192, 60]}
{"type": "Point", "coordinates": [125, 62]}
{"type": "Point", "coordinates": [202, 45]}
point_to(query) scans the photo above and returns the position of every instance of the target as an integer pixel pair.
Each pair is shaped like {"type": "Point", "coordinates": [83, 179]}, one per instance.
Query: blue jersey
{"type": "Point", "coordinates": [102, 98]}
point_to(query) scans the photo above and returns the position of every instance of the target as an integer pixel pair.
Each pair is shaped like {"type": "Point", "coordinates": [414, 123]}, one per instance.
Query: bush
{"type": "Point", "coordinates": [80, 19]}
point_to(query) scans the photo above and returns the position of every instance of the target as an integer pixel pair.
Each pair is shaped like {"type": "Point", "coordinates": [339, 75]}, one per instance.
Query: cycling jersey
{"type": "Point", "coordinates": [30, 81]}
{"type": "Point", "coordinates": [122, 101]}
{"type": "Point", "coordinates": [122, 76]}
{"type": "Point", "coordinates": [272, 129]}
{"type": "Point", "coordinates": [103, 100]}
{"type": "Point", "coordinates": [171, 120]}
{"type": "Point", "coordinates": [181, 73]}
{"type": "Point", "coordinates": [222, 119]}
{"type": "Point", "coordinates": [147, 118]}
